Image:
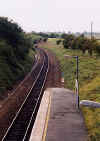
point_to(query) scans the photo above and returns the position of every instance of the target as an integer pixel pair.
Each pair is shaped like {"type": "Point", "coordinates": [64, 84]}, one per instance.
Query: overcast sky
{"type": "Point", "coordinates": [53, 15]}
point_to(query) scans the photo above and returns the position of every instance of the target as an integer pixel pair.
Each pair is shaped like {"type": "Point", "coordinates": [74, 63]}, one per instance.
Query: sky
{"type": "Point", "coordinates": [53, 15]}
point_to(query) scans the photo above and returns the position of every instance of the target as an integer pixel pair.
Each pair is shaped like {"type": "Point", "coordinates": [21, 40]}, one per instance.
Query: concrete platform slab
{"type": "Point", "coordinates": [66, 122]}
{"type": "Point", "coordinates": [58, 119]}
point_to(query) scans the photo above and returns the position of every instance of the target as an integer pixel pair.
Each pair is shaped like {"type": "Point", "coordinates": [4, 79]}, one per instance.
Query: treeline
{"type": "Point", "coordinates": [12, 35]}
{"type": "Point", "coordinates": [82, 43]}
{"type": "Point", "coordinates": [48, 34]}
{"type": "Point", "coordinates": [37, 38]}
{"type": "Point", "coordinates": [15, 45]}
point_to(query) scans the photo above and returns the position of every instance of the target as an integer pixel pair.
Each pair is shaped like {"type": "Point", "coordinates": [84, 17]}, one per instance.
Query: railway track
{"type": "Point", "coordinates": [15, 99]}
{"type": "Point", "coordinates": [22, 124]}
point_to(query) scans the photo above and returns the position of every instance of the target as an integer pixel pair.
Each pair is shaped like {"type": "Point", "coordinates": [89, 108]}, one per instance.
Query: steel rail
{"type": "Point", "coordinates": [23, 104]}
{"type": "Point", "coordinates": [24, 139]}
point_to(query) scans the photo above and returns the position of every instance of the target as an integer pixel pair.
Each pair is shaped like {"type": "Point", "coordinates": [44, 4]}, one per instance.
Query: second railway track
{"type": "Point", "coordinates": [22, 124]}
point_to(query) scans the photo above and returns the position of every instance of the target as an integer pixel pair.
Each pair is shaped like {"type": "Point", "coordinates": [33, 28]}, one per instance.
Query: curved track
{"type": "Point", "coordinates": [21, 126]}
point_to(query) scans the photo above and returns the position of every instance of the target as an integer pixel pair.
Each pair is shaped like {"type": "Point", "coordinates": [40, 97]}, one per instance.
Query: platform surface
{"type": "Point", "coordinates": [65, 121]}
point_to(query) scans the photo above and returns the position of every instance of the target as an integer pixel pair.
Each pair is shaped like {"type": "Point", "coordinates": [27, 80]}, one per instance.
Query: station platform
{"type": "Point", "coordinates": [58, 118]}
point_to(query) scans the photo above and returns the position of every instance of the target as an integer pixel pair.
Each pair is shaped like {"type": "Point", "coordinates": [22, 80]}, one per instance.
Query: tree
{"type": "Point", "coordinates": [82, 43]}
{"type": "Point", "coordinates": [58, 42]}
{"type": "Point", "coordinates": [63, 35]}
{"type": "Point", "coordinates": [68, 41]}
{"type": "Point", "coordinates": [97, 49]}
{"type": "Point", "coordinates": [15, 37]}
{"type": "Point", "coordinates": [44, 35]}
{"type": "Point", "coordinates": [45, 39]}
{"type": "Point", "coordinates": [95, 46]}
{"type": "Point", "coordinates": [10, 31]}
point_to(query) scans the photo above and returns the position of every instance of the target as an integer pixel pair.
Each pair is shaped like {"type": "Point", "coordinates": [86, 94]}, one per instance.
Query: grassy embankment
{"type": "Point", "coordinates": [11, 68]}
{"type": "Point", "coordinates": [10, 73]}
{"type": "Point", "coordinates": [89, 82]}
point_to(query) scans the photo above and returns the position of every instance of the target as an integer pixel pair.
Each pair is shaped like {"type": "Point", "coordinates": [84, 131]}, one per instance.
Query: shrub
{"type": "Point", "coordinates": [97, 49]}
{"type": "Point", "coordinates": [14, 53]}
{"type": "Point", "coordinates": [58, 42]}
{"type": "Point", "coordinates": [10, 31]}
{"type": "Point", "coordinates": [45, 39]}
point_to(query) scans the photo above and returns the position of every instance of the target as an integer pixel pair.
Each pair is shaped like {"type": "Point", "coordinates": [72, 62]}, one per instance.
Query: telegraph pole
{"type": "Point", "coordinates": [91, 30]}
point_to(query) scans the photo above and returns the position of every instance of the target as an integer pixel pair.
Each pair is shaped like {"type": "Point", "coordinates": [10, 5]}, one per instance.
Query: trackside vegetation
{"type": "Point", "coordinates": [16, 54]}
{"type": "Point", "coordinates": [89, 78]}
{"type": "Point", "coordinates": [70, 41]}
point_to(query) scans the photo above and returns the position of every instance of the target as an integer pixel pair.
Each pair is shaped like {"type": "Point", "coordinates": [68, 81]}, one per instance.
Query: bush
{"type": "Point", "coordinates": [14, 51]}
{"type": "Point", "coordinates": [82, 43]}
{"type": "Point", "coordinates": [97, 49]}
{"type": "Point", "coordinates": [58, 42]}
{"type": "Point", "coordinates": [45, 39]}
{"type": "Point", "coordinates": [68, 41]}
{"type": "Point", "coordinates": [10, 31]}
{"type": "Point", "coordinates": [15, 37]}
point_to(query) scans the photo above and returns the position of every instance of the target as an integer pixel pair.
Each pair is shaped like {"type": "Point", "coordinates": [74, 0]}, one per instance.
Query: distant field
{"type": "Point", "coordinates": [95, 36]}
{"type": "Point", "coordinates": [89, 82]}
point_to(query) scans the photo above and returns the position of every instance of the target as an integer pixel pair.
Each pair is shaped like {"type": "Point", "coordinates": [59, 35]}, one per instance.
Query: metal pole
{"type": "Point", "coordinates": [91, 29]}
{"type": "Point", "coordinates": [76, 82]}
{"type": "Point", "coordinates": [77, 93]}
{"type": "Point", "coordinates": [77, 68]}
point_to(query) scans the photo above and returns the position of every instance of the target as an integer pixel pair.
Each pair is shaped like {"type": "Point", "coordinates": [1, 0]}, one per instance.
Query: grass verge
{"type": "Point", "coordinates": [89, 82]}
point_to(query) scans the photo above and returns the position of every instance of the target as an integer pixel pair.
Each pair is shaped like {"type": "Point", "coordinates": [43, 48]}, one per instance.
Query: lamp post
{"type": "Point", "coordinates": [76, 82]}
{"type": "Point", "coordinates": [86, 103]}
